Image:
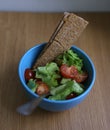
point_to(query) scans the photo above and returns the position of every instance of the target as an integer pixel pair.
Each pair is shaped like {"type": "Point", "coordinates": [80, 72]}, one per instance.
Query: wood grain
{"type": "Point", "coordinates": [21, 31]}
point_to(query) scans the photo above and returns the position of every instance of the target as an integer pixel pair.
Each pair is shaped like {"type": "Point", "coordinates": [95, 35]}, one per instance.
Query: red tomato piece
{"type": "Point", "coordinates": [72, 95]}
{"type": "Point", "coordinates": [29, 74]}
{"type": "Point", "coordinates": [42, 88]}
{"type": "Point", "coordinates": [81, 77]}
{"type": "Point", "coordinates": [68, 72]}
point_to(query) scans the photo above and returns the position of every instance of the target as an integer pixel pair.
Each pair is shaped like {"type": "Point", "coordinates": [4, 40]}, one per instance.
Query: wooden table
{"type": "Point", "coordinates": [21, 31]}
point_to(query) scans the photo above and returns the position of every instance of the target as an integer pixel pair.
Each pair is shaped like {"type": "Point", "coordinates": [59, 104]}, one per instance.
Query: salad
{"type": "Point", "coordinates": [60, 79]}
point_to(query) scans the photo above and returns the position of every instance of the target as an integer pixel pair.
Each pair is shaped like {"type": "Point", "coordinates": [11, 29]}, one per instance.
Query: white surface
{"type": "Point", "coordinates": [54, 5]}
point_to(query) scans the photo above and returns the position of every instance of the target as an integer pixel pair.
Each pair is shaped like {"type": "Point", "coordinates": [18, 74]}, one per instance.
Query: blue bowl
{"type": "Point", "coordinates": [27, 61]}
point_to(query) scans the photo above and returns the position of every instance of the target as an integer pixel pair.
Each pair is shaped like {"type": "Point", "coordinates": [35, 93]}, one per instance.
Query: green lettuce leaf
{"type": "Point", "coordinates": [62, 91]}
{"type": "Point", "coordinates": [49, 74]}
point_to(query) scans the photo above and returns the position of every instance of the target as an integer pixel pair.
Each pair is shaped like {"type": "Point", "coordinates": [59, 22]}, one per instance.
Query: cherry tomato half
{"type": "Point", "coordinates": [81, 77]}
{"type": "Point", "coordinates": [68, 72]}
{"type": "Point", "coordinates": [42, 88]}
{"type": "Point", "coordinates": [72, 72]}
{"type": "Point", "coordinates": [71, 95]}
{"type": "Point", "coordinates": [29, 74]}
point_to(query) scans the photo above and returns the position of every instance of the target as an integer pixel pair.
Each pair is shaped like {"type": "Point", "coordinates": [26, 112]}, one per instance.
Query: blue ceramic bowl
{"type": "Point", "coordinates": [27, 61]}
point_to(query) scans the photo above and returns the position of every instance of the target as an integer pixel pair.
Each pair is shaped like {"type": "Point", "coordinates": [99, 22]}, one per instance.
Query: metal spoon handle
{"type": "Point", "coordinates": [29, 107]}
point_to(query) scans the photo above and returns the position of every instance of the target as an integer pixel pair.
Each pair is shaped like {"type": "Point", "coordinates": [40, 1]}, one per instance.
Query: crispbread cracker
{"type": "Point", "coordinates": [71, 30]}
{"type": "Point", "coordinates": [66, 33]}
{"type": "Point", "coordinates": [60, 24]}
{"type": "Point", "coordinates": [49, 55]}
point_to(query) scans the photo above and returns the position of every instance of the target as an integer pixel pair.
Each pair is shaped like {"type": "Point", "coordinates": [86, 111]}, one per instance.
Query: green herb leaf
{"type": "Point", "coordinates": [70, 58]}
{"type": "Point", "coordinates": [32, 85]}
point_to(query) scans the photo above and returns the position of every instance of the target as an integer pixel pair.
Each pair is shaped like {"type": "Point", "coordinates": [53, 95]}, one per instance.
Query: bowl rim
{"type": "Point", "coordinates": [57, 101]}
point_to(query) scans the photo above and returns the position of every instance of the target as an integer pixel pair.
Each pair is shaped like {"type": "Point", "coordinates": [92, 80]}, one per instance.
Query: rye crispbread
{"type": "Point", "coordinates": [51, 52]}
{"type": "Point", "coordinates": [71, 30]}
{"type": "Point", "coordinates": [66, 33]}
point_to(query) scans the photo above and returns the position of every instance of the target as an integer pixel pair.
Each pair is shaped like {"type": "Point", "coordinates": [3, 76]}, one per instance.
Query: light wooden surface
{"type": "Point", "coordinates": [21, 31]}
